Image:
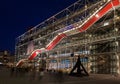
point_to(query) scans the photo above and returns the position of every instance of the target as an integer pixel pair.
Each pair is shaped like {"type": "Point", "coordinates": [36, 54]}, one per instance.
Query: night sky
{"type": "Point", "coordinates": [17, 16]}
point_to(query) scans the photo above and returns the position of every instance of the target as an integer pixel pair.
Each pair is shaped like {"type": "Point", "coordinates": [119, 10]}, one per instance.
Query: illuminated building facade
{"type": "Point", "coordinates": [6, 58]}
{"type": "Point", "coordinates": [89, 28]}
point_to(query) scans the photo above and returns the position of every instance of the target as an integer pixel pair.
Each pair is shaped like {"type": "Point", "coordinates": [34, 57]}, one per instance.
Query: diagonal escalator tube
{"type": "Point", "coordinates": [78, 29]}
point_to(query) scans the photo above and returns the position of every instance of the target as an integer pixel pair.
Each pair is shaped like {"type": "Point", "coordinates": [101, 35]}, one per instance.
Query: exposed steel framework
{"type": "Point", "coordinates": [103, 7]}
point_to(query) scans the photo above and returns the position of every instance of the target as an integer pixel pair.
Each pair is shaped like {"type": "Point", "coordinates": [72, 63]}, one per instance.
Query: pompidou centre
{"type": "Point", "coordinates": [88, 28]}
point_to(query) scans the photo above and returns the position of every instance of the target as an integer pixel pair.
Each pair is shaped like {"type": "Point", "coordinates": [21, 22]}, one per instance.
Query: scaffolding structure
{"type": "Point", "coordinates": [98, 45]}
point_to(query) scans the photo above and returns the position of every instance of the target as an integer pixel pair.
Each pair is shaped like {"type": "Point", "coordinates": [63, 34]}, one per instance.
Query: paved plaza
{"type": "Point", "coordinates": [54, 78]}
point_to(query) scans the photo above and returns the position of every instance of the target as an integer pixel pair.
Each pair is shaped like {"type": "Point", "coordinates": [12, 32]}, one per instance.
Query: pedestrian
{"type": "Point", "coordinates": [11, 71]}
{"type": "Point", "coordinates": [41, 73]}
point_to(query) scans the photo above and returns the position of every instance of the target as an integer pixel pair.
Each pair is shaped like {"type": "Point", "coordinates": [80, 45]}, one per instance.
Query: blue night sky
{"type": "Point", "coordinates": [16, 16]}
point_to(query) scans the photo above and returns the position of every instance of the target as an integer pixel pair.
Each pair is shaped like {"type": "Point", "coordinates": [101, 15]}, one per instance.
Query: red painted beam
{"type": "Point", "coordinates": [19, 63]}
{"type": "Point", "coordinates": [99, 15]}
{"type": "Point", "coordinates": [34, 54]}
{"type": "Point", "coordinates": [55, 41]}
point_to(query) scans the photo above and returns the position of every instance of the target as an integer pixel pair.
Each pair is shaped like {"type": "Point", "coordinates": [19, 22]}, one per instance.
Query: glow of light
{"type": "Point", "coordinates": [1, 63]}
{"type": "Point", "coordinates": [116, 43]}
{"type": "Point", "coordinates": [106, 23]}
{"type": "Point", "coordinates": [116, 29]}
{"type": "Point", "coordinates": [90, 35]}
{"type": "Point", "coordinates": [76, 54]}
{"type": "Point", "coordinates": [117, 63]}
{"type": "Point", "coordinates": [90, 47]}
{"type": "Point", "coordinates": [37, 52]}
{"type": "Point", "coordinates": [97, 15]}
{"type": "Point", "coordinates": [77, 24]}
{"type": "Point", "coordinates": [117, 17]}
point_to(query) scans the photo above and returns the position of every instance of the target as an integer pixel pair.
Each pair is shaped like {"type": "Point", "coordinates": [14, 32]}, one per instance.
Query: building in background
{"type": "Point", "coordinates": [98, 45]}
{"type": "Point", "coordinates": [6, 58]}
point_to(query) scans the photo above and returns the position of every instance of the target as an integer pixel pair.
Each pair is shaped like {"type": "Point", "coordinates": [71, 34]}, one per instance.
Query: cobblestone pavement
{"type": "Point", "coordinates": [54, 78]}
